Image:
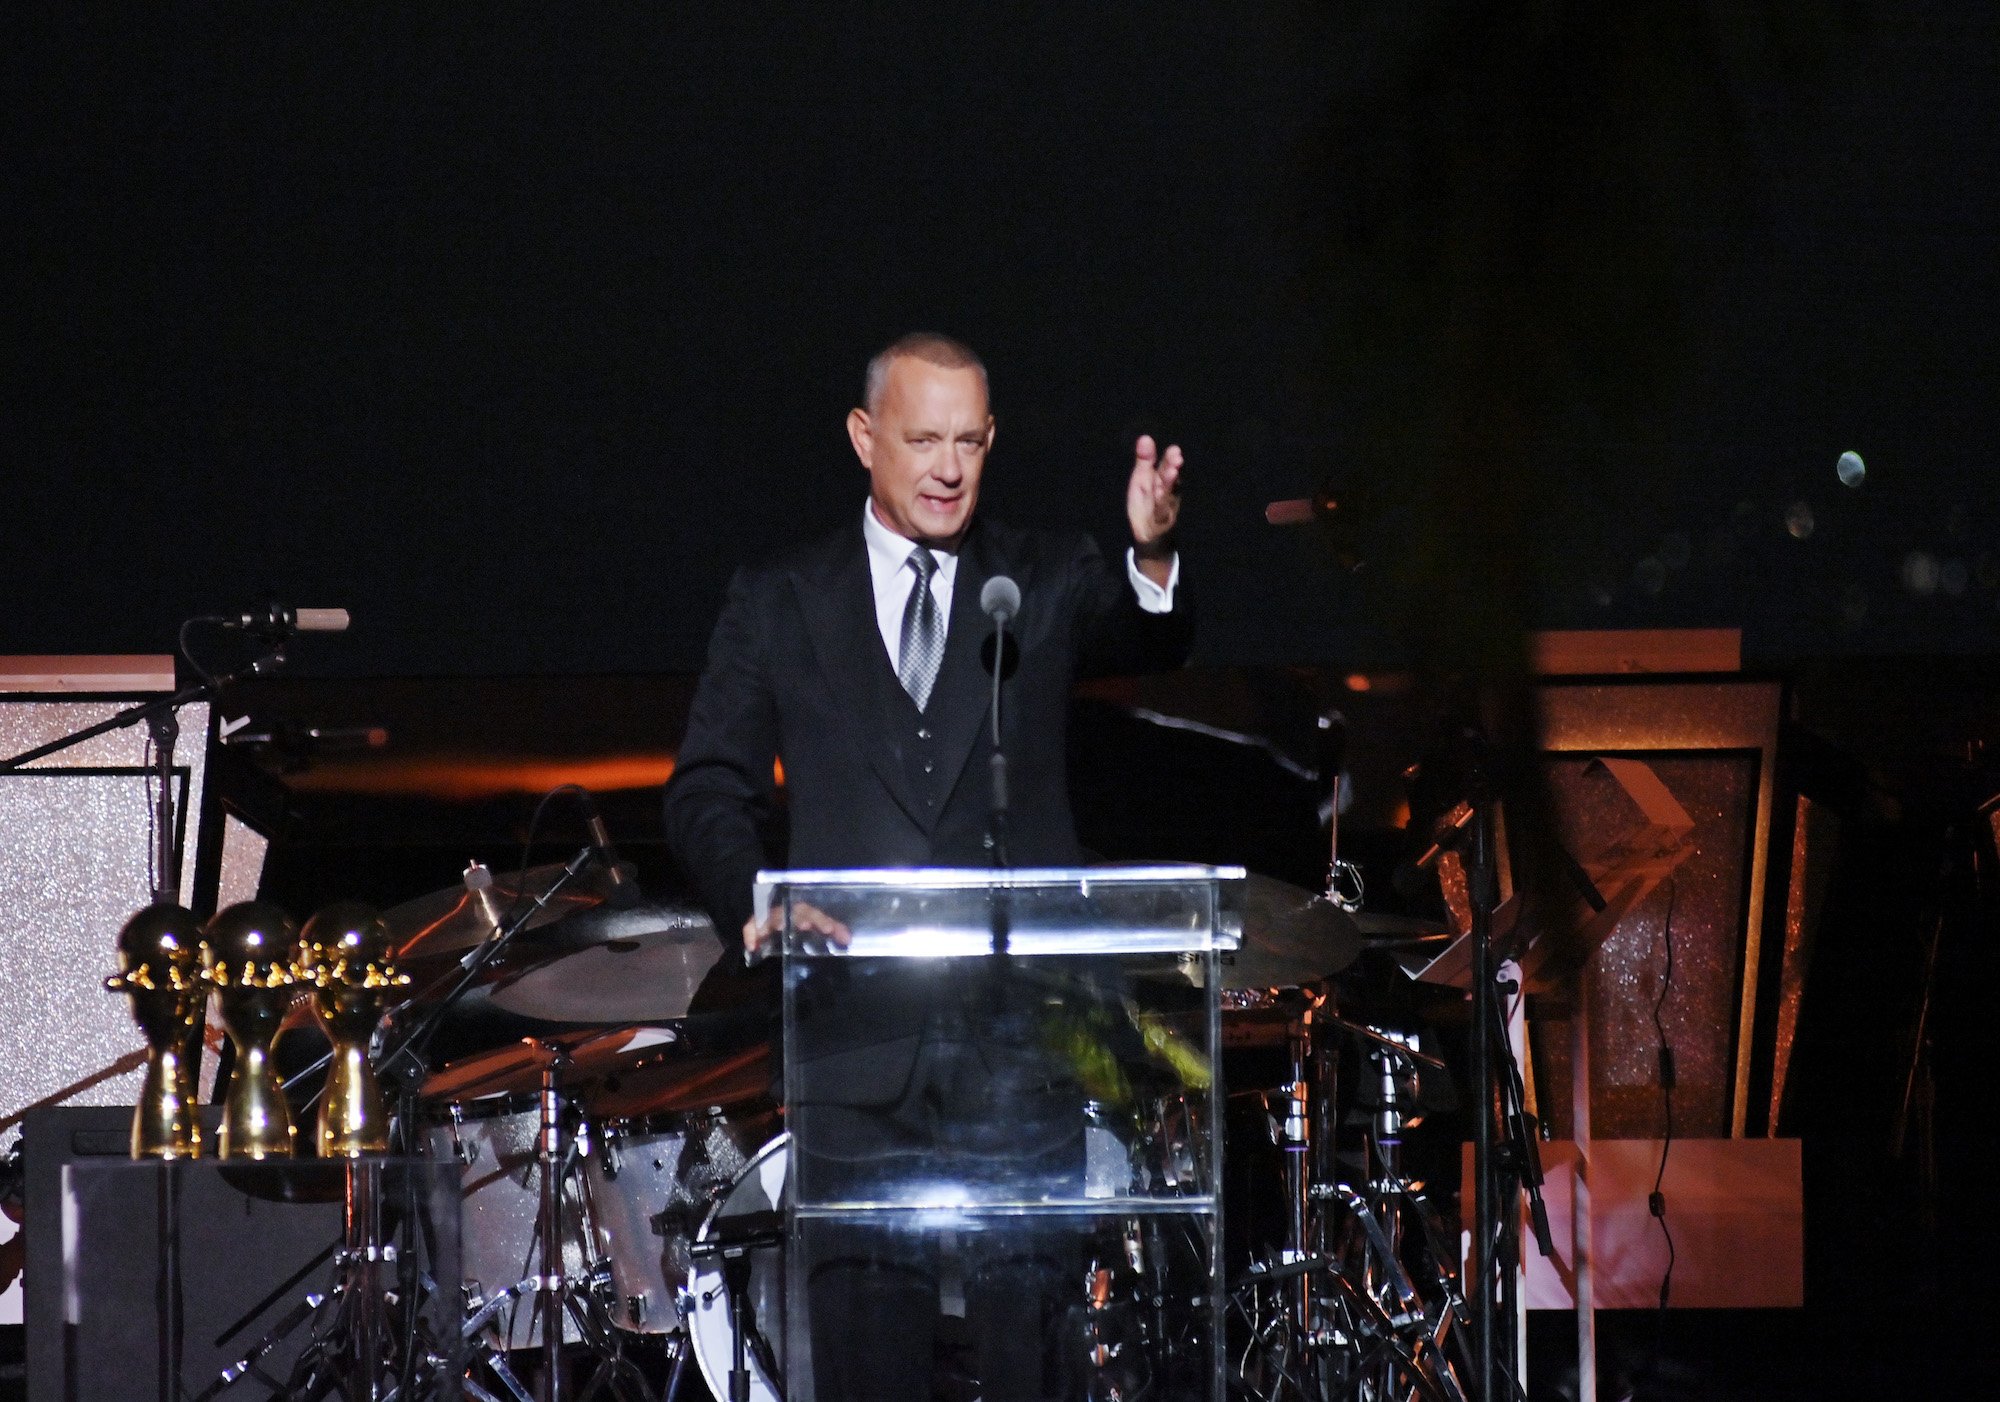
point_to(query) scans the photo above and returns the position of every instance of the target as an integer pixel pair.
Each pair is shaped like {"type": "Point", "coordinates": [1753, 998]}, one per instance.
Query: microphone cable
{"type": "Point", "coordinates": [1656, 1201]}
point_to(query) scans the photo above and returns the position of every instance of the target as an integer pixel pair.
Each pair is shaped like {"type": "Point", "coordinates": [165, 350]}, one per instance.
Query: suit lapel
{"type": "Point", "coordinates": [837, 601]}
{"type": "Point", "coordinates": [961, 698]}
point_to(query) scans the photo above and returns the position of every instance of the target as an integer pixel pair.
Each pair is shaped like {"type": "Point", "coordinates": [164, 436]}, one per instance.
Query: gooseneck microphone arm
{"type": "Point", "coordinates": [1000, 600]}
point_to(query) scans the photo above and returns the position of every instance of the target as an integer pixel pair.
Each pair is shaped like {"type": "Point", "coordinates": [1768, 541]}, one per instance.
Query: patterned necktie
{"type": "Point", "coordinates": [923, 632]}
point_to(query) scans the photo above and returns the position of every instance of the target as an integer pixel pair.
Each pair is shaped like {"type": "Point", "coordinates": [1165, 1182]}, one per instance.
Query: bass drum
{"type": "Point", "coordinates": [763, 1186]}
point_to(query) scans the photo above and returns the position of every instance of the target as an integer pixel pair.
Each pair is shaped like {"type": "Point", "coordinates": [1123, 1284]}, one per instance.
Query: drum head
{"type": "Point", "coordinates": [761, 1187]}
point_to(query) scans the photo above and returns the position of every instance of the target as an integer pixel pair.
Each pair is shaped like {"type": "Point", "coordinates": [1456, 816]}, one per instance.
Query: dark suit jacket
{"type": "Point", "coordinates": [797, 670]}
{"type": "Point", "coordinates": [893, 1062]}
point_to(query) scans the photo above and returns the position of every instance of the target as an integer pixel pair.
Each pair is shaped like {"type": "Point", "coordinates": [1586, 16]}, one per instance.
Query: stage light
{"type": "Point", "coordinates": [1853, 472]}
{"type": "Point", "coordinates": [1799, 521]}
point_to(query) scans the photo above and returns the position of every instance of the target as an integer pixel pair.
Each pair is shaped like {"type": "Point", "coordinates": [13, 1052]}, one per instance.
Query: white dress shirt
{"type": "Point", "coordinates": [889, 570]}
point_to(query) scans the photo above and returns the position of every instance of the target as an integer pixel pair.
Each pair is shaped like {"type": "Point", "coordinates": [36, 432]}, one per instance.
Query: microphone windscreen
{"type": "Point", "coordinates": [322, 620]}
{"type": "Point", "coordinates": [1001, 598]}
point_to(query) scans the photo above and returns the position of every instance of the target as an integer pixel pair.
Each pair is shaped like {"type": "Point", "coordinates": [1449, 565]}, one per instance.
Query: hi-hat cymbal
{"type": "Point", "coordinates": [459, 917]}
{"type": "Point", "coordinates": [1293, 937]}
{"type": "Point", "coordinates": [608, 965]}
{"type": "Point", "coordinates": [516, 1068]}
{"type": "Point", "coordinates": [1290, 937]}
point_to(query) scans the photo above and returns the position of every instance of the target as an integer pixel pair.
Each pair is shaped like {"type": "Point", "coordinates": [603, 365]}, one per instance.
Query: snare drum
{"type": "Point", "coordinates": [762, 1186]}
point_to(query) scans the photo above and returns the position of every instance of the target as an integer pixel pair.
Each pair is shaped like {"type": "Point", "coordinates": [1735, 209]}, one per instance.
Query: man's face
{"type": "Point", "coordinates": [924, 444]}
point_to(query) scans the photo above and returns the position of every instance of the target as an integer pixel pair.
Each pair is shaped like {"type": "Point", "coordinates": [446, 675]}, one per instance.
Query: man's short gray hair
{"type": "Point", "coordinates": [930, 347]}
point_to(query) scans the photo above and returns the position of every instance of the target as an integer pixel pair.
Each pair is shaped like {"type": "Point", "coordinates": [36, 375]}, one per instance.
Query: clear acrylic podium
{"type": "Point", "coordinates": [1015, 1156]}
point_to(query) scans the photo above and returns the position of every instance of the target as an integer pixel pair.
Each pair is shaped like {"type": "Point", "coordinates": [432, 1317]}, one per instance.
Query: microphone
{"type": "Point", "coordinates": [1000, 600]}
{"type": "Point", "coordinates": [1344, 520]}
{"type": "Point", "coordinates": [282, 621]}
{"type": "Point", "coordinates": [296, 746]}
{"type": "Point", "coordinates": [622, 892]}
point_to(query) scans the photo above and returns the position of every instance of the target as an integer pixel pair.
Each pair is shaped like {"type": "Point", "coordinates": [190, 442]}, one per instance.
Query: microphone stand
{"type": "Point", "coordinates": [996, 833]}
{"type": "Point", "coordinates": [1501, 1173]}
{"type": "Point", "coordinates": [1484, 892]}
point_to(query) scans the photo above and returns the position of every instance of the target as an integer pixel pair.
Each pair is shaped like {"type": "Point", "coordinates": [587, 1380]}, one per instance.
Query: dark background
{"type": "Point", "coordinates": [513, 329]}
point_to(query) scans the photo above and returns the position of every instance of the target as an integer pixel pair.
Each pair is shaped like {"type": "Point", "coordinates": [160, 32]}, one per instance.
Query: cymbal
{"type": "Point", "coordinates": [461, 916]}
{"type": "Point", "coordinates": [516, 1068]}
{"type": "Point", "coordinates": [1292, 936]}
{"type": "Point", "coordinates": [608, 965]}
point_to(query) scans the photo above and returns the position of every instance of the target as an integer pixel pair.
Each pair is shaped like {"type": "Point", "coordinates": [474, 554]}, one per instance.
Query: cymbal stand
{"type": "Point", "coordinates": [1287, 1344]}
{"type": "Point", "coordinates": [562, 1143]}
{"type": "Point", "coordinates": [350, 1354]}
{"type": "Point", "coordinates": [352, 1348]}
{"type": "Point", "coordinates": [1397, 1300]}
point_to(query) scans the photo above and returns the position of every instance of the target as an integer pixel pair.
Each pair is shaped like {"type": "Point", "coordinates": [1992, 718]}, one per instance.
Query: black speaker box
{"type": "Point", "coordinates": [245, 1264]}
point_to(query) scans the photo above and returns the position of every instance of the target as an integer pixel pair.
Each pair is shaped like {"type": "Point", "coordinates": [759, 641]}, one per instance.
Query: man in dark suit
{"type": "Point", "coordinates": [856, 662]}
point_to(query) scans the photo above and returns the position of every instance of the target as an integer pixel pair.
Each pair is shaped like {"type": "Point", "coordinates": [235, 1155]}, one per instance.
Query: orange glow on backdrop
{"type": "Point", "coordinates": [489, 776]}
{"type": "Point", "coordinates": [493, 776]}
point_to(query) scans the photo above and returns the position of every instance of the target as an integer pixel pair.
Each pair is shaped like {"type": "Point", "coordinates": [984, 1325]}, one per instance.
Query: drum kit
{"type": "Point", "coordinates": [597, 1152]}
{"type": "Point", "coordinates": [622, 1169]}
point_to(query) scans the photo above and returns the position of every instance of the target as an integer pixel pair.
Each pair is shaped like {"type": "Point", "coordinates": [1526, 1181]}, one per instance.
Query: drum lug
{"type": "Point", "coordinates": [460, 1150]}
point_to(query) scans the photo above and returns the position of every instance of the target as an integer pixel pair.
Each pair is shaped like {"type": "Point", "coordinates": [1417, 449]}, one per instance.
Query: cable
{"type": "Point", "coordinates": [187, 653]}
{"type": "Point", "coordinates": [528, 847]}
{"type": "Point", "coordinates": [1656, 1201]}
{"type": "Point", "coordinates": [155, 878]}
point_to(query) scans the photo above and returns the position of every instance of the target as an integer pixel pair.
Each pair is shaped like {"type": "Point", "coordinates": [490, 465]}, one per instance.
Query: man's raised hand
{"type": "Point", "coordinates": [1153, 497]}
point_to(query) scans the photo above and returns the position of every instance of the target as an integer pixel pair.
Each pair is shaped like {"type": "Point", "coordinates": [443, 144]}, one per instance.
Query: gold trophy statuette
{"type": "Point", "coordinates": [247, 952]}
{"type": "Point", "coordinates": [159, 968]}
{"type": "Point", "coordinates": [345, 953]}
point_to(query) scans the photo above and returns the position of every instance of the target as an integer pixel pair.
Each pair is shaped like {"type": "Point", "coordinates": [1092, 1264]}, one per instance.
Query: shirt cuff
{"type": "Point", "coordinates": [1152, 597]}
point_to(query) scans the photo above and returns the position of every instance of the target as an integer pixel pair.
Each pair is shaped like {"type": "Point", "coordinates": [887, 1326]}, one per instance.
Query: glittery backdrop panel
{"type": "Point", "coordinates": [1700, 1009]}
{"type": "Point", "coordinates": [73, 867]}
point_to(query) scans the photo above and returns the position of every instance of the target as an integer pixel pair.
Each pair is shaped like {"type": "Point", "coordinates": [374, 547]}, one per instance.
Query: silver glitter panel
{"type": "Point", "coordinates": [73, 868]}
{"type": "Point", "coordinates": [1707, 894]}
{"type": "Point", "coordinates": [243, 851]}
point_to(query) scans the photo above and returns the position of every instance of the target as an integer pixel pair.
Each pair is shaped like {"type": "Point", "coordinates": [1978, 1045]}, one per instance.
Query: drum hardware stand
{"type": "Point", "coordinates": [558, 1296]}
{"type": "Point", "coordinates": [1500, 1173]}
{"type": "Point", "coordinates": [1289, 1341]}
{"type": "Point", "coordinates": [357, 1328]}
{"type": "Point", "coordinates": [733, 1242]}
{"type": "Point", "coordinates": [352, 1353]}
{"type": "Point", "coordinates": [1422, 1334]}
